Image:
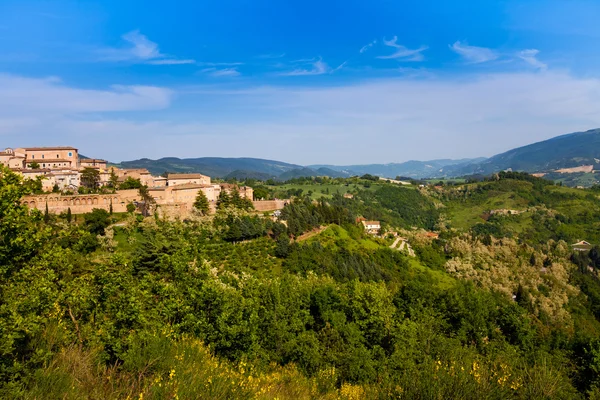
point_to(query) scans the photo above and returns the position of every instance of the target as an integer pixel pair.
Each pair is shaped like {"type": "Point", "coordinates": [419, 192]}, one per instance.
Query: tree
{"type": "Point", "coordinates": [34, 165]}
{"type": "Point", "coordinates": [110, 210]}
{"type": "Point", "coordinates": [55, 188]}
{"type": "Point", "coordinates": [46, 214]}
{"type": "Point", "coordinates": [224, 200]}
{"type": "Point", "coordinates": [130, 207]}
{"type": "Point", "coordinates": [130, 183]}
{"type": "Point", "coordinates": [90, 177]}
{"type": "Point", "coordinates": [97, 221]}
{"type": "Point", "coordinates": [20, 238]}
{"type": "Point", "coordinates": [201, 203]}
{"type": "Point", "coordinates": [113, 179]}
{"type": "Point", "coordinates": [147, 200]}
{"type": "Point", "coordinates": [69, 215]}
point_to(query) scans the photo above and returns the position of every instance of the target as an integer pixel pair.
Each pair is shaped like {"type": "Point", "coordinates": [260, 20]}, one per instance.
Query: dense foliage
{"type": "Point", "coordinates": [309, 306]}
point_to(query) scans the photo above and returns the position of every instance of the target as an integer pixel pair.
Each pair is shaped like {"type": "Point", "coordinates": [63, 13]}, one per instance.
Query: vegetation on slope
{"type": "Point", "coordinates": [186, 309]}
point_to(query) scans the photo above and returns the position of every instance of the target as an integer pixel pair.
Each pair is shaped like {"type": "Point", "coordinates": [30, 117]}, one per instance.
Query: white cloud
{"type": "Point", "coordinates": [530, 57]}
{"type": "Point", "coordinates": [317, 67]}
{"type": "Point", "coordinates": [140, 49]}
{"type": "Point", "coordinates": [171, 62]}
{"type": "Point", "coordinates": [31, 97]}
{"type": "Point", "coordinates": [473, 54]}
{"type": "Point", "coordinates": [387, 120]}
{"type": "Point", "coordinates": [215, 72]}
{"type": "Point", "coordinates": [402, 52]}
{"type": "Point", "coordinates": [367, 46]}
{"type": "Point", "coordinates": [271, 56]}
{"type": "Point", "coordinates": [218, 64]}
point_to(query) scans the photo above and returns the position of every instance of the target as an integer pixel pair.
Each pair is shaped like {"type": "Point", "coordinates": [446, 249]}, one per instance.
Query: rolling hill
{"type": "Point", "coordinates": [565, 151]}
{"type": "Point", "coordinates": [215, 167]}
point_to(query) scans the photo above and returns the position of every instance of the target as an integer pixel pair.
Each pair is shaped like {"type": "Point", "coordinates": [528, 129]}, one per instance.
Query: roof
{"type": "Point", "coordinates": [371, 222]}
{"type": "Point", "coordinates": [32, 171]}
{"type": "Point", "coordinates": [131, 170]}
{"type": "Point", "coordinates": [92, 160]}
{"type": "Point", "coordinates": [49, 148]}
{"type": "Point", "coordinates": [186, 176]}
{"type": "Point", "coordinates": [188, 186]}
{"type": "Point", "coordinates": [581, 243]}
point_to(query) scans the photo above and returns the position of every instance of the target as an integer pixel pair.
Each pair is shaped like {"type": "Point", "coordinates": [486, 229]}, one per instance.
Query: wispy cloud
{"type": "Point", "coordinates": [402, 52]}
{"type": "Point", "coordinates": [473, 54]}
{"type": "Point", "coordinates": [530, 57]}
{"type": "Point", "coordinates": [367, 46]}
{"type": "Point", "coordinates": [271, 56]}
{"type": "Point", "coordinates": [317, 67]}
{"type": "Point", "coordinates": [218, 64]}
{"type": "Point", "coordinates": [218, 73]}
{"type": "Point", "coordinates": [140, 49]}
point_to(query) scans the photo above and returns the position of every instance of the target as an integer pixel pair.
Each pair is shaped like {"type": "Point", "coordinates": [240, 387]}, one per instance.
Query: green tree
{"type": "Point", "coordinates": [110, 210]}
{"type": "Point", "coordinates": [55, 188]}
{"type": "Point", "coordinates": [90, 177]}
{"type": "Point", "coordinates": [97, 221]}
{"type": "Point", "coordinates": [46, 214]}
{"type": "Point", "coordinates": [34, 165]}
{"type": "Point", "coordinates": [113, 179]}
{"type": "Point", "coordinates": [130, 183]}
{"type": "Point", "coordinates": [69, 215]}
{"type": "Point", "coordinates": [20, 239]}
{"type": "Point", "coordinates": [130, 207]}
{"type": "Point", "coordinates": [201, 203]}
{"type": "Point", "coordinates": [224, 200]}
{"type": "Point", "coordinates": [147, 200]}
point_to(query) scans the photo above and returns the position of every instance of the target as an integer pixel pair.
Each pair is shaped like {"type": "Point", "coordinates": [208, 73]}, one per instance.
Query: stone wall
{"type": "Point", "coordinates": [82, 203]}
{"type": "Point", "coordinates": [269, 205]}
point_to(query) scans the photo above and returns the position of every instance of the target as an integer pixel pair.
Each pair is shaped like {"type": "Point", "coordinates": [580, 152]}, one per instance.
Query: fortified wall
{"type": "Point", "coordinates": [269, 205]}
{"type": "Point", "coordinates": [85, 203]}
{"type": "Point", "coordinates": [82, 203]}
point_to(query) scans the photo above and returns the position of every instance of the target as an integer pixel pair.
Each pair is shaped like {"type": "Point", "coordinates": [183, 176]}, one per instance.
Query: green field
{"type": "Point", "coordinates": [318, 190]}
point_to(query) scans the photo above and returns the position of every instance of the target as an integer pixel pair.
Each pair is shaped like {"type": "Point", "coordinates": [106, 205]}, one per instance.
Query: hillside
{"type": "Point", "coordinates": [571, 151]}
{"type": "Point", "coordinates": [239, 305]}
{"type": "Point", "coordinates": [566, 151]}
{"type": "Point", "coordinates": [216, 167]}
{"type": "Point", "coordinates": [411, 169]}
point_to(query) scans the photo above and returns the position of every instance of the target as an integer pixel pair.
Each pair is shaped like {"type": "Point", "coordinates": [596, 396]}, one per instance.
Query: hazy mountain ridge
{"type": "Point", "coordinates": [565, 151]}
{"type": "Point", "coordinates": [216, 167]}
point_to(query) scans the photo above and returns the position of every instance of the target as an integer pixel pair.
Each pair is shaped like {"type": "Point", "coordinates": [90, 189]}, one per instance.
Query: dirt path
{"type": "Point", "coordinates": [393, 246]}
{"type": "Point", "coordinates": [310, 234]}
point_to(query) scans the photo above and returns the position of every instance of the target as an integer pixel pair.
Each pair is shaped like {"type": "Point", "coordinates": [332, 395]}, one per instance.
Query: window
{"type": "Point", "coordinates": [32, 156]}
{"type": "Point", "coordinates": [57, 156]}
{"type": "Point", "coordinates": [70, 154]}
{"type": "Point", "coordinates": [42, 156]}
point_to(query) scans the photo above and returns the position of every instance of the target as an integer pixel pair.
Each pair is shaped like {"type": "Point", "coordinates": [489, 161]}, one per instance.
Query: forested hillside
{"type": "Point", "coordinates": [495, 304]}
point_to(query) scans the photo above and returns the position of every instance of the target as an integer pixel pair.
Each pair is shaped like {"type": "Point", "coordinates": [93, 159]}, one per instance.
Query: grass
{"type": "Point", "coordinates": [337, 237]}
{"type": "Point", "coordinates": [316, 190]}
{"type": "Point", "coordinates": [444, 281]}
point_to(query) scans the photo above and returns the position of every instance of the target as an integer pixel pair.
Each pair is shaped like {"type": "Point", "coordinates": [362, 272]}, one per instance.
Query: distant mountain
{"type": "Point", "coordinates": [566, 151]}
{"type": "Point", "coordinates": [215, 167]}
{"type": "Point", "coordinates": [411, 169]}
{"type": "Point", "coordinates": [242, 175]}
{"type": "Point", "coordinates": [298, 173]}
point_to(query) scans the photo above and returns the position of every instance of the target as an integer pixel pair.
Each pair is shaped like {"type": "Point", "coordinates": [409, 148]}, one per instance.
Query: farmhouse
{"type": "Point", "coordinates": [372, 227]}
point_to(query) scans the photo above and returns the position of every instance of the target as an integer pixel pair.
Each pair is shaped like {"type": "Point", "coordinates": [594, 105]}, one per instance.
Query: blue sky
{"type": "Point", "coordinates": [341, 82]}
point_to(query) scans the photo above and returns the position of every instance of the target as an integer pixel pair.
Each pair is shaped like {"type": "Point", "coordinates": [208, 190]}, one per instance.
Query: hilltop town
{"type": "Point", "coordinates": [68, 181]}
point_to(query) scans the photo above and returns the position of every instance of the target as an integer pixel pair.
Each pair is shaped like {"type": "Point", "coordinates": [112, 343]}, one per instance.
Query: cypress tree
{"type": "Point", "coordinates": [201, 203]}
{"type": "Point", "coordinates": [46, 214]}
{"type": "Point", "coordinates": [224, 200]}
{"type": "Point", "coordinates": [69, 215]}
